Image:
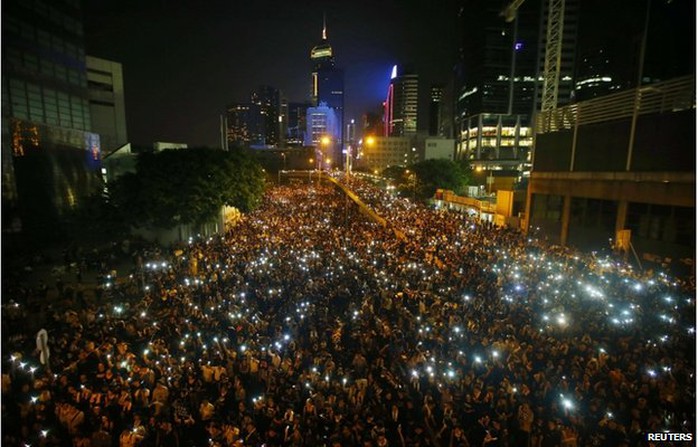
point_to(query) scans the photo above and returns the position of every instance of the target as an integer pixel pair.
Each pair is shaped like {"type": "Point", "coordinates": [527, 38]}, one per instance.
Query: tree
{"type": "Point", "coordinates": [438, 173]}
{"type": "Point", "coordinates": [188, 186]}
{"type": "Point", "coordinates": [396, 174]}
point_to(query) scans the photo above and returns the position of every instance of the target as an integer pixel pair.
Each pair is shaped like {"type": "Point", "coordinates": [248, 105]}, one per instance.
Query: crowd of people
{"type": "Point", "coordinates": [308, 324]}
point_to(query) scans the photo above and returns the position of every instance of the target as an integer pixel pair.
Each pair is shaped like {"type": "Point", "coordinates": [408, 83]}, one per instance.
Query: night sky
{"type": "Point", "coordinates": [185, 60]}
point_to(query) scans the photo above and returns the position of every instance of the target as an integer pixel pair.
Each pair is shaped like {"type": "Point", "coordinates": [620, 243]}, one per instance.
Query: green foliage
{"type": "Point", "coordinates": [438, 173]}
{"type": "Point", "coordinates": [396, 174]}
{"type": "Point", "coordinates": [188, 186]}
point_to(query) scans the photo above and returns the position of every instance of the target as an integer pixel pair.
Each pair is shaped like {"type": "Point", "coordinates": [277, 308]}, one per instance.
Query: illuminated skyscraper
{"type": "Point", "coordinates": [321, 122]}
{"type": "Point", "coordinates": [498, 81]}
{"type": "Point", "coordinates": [327, 82]}
{"type": "Point", "coordinates": [401, 104]}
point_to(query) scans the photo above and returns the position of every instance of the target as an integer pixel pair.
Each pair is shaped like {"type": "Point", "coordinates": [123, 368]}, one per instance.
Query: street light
{"type": "Point", "coordinates": [369, 141]}
{"type": "Point", "coordinates": [325, 142]}
{"type": "Point", "coordinates": [489, 179]}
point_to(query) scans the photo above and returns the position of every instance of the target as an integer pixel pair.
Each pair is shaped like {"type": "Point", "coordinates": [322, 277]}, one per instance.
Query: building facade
{"type": "Point", "coordinates": [244, 125]}
{"type": "Point", "coordinates": [50, 156]}
{"type": "Point", "coordinates": [439, 148]}
{"type": "Point", "coordinates": [500, 79]}
{"type": "Point", "coordinates": [380, 152]}
{"type": "Point", "coordinates": [268, 100]}
{"type": "Point", "coordinates": [656, 38]}
{"type": "Point", "coordinates": [323, 131]}
{"type": "Point", "coordinates": [619, 164]}
{"type": "Point", "coordinates": [436, 94]}
{"type": "Point", "coordinates": [401, 103]}
{"type": "Point", "coordinates": [327, 83]}
{"type": "Point", "coordinates": [105, 82]}
{"type": "Point", "coordinates": [496, 141]}
{"type": "Point", "coordinates": [297, 123]}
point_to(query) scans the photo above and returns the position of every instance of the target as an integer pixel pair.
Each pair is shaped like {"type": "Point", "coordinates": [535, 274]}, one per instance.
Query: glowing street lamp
{"type": "Point", "coordinates": [489, 179]}
{"type": "Point", "coordinates": [325, 142]}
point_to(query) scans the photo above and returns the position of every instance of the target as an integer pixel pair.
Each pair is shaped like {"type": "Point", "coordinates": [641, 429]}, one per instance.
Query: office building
{"type": "Point", "coordinates": [500, 80]}
{"type": "Point", "coordinates": [350, 132]}
{"type": "Point", "coordinates": [496, 140]}
{"type": "Point", "coordinates": [259, 123]}
{"type": "Point", "coordinates": [50, 156]}
{"type": "Point", "coordinates": [380, 152]}
{"type": "Point", "coordinates": [619, 168]}
{"type": "Point", "coordinates": [327, 82]}
{"type": "Point", "coordinates": [435, 99]}
{"type": "Point", "coordinates": [105, 83]}
{"type": "Point", "coordinates": [245, 125]}
{"type": "Point", "coordinates": [268, 99]}
{"type": "Point", "coordinates": [401, 103]}
{"type": "Point", "coordinates": [283, 122]}
{"type": "Point", "coordinates": [297, 123]}
{"type": "Point", "coordinates": [323, 131]}
{"type": "Point", "coordinates": [438, 148]}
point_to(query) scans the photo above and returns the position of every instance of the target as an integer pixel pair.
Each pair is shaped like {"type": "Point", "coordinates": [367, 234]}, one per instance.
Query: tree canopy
{"type": "Point", "coordinates": [424, 178]}
{"type": "Point", "coordinates": [188, 186]}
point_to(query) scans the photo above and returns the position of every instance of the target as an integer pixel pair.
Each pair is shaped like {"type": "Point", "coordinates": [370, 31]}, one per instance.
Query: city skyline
{"type": "Point", "coordinates": [184, 104]}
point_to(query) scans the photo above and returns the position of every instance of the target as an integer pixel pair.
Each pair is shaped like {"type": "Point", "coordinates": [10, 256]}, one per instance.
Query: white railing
{"type": "Point", "coordinates": [662, 97]}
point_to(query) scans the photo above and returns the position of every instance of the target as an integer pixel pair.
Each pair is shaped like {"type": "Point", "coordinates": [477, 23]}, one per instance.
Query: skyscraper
{"type": "Point", "coordinates": [327, 82]}
{"type": "Point", "coordinates": [401, 103]}
{"type": "Point", "coordinates": [499, 81]}
{"type": "Point", "coordinates": [322, 130]}
{"type": "Point", "coordinates": [268, 100]}
{"type": "Point", "coordinates": [296, 128]}
{"type": "Point", "coordinates": [435, 97]}
{"type": "Point", "coordinates": [498, 59]}
{"type": "Point", "coordinates": [321, 122]}
{"type": "Point", "coordinates": [245, 125]}
{"type": "Point", "coordinates": [50, 156]}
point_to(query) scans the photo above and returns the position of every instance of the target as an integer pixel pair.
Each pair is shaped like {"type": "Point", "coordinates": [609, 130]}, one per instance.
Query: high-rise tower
{"type": "Point", "coordinates": [401, 103]}
{"type": "Point", "coordinates": [327, 83]}
{"type": "Point", "coordinates": [500, 80]}
{"type": "Point", "coordinates": [435, 96]}
{"type": "Point", "coordinates": [269, 101]}
{"type": "Point", "coordinates": [50, 156]}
